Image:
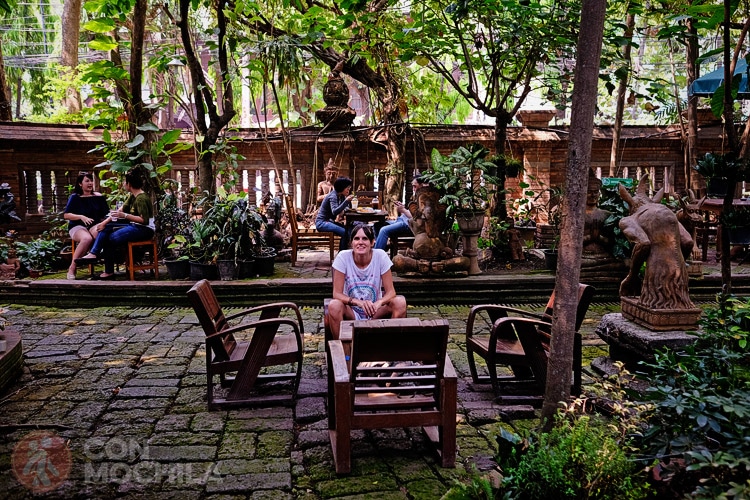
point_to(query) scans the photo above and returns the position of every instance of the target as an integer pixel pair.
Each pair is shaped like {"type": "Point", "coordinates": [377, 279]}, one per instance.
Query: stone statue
{"type": "Point", "coordinates": [429, 253]}
{"type": "Point", "coordinates": [326, 185]}
{"type": "Point", "coordinates": [597, 242]}
{"type": "Point", "coordinates": [690, 216]}
{"type": "Point", "coordinates": [662, 299]}
{"type": "Point", "coordinates": [337, 113]}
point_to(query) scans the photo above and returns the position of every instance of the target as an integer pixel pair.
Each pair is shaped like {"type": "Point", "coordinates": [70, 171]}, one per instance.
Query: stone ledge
{"type": "Point", "coordinates": [630, 342]}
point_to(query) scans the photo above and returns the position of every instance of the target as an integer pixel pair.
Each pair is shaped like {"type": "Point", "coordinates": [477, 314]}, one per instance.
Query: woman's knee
{"type": "Point", "coordinates": [336, 309]}
{"type": "Point", "coordinates": [398, 306]}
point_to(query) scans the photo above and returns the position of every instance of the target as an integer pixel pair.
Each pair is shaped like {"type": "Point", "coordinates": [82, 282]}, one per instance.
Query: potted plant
{"type": "Point", "coordinates": [506, 165]}
{"type": "Point", "coordinates": [717, 169]}
{"type": "Point", "coordinates": [465, 182]}
{"type": "Point", "coordinates": [463, 178]}
{"type": "Point", "coordinates": [173, 229]}
{"type": "Point", "coordinates": [202, 249]}
{"type": "Point", "coordinates": [38, 255]}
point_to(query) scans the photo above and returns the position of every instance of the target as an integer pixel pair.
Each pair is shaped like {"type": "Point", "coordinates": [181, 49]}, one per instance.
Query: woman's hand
{"type": "Point", "coordinates": [87, 221]}
{"type": "Point", "coordinates": [349, 198]}
{"type": "Point", "coordinates": [370, 308]}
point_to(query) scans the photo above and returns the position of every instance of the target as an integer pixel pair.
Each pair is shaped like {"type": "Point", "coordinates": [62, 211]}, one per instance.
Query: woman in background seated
{"type": "Point", "coordinates": [363, 283]}
{"type": "Point", "coordinates": [333, 204]}
{"type": "Point", "coordinates": [133, 223]}
{"type": "Point", "coordinates": [84, 211]}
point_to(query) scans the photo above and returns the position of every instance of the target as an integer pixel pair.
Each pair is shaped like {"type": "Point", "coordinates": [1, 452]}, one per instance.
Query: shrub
{"type": "Point", "coordinates": [582, 457]}
{"type": "Point", "coordinates": [701, 406]}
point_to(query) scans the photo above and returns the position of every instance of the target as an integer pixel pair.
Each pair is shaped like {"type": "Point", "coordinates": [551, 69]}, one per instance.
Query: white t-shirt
{"type": "Point", "coordinates": [363, 284]}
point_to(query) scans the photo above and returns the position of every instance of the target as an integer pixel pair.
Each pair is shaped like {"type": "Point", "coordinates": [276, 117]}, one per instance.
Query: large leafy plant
{"type": "Point", "coordinates": [463, 178]}
{"type": "Point", "coordinates": [39, 254]}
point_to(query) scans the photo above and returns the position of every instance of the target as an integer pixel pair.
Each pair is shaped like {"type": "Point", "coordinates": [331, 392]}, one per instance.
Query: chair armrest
{"type": "Point", "coordinates": [495, 311]}
{"type": "Point", "coordinates": [253, 324]}
{"type": "Point", "coordinates": [449, 371]}
{"type": "Point", "coordinates": [261, 308]}
{"type": "Point", "coordinates": [338, 366]}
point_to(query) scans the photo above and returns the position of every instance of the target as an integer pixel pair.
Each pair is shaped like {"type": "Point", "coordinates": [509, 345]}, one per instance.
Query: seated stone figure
{"type": "Point", "coordinates": [429, 253]}
{"type": "Point", "coordinates": [597, 241]}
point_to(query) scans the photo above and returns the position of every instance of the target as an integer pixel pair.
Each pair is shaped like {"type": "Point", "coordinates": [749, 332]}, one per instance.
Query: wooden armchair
{"type": "Point", "coordinates": [420, 390]}
{"type": "Point", "coordinates": [501, 346]}
{"type": "Point", "coordinates": [267, 347]}
{"type": "Point", "coordinates": [310, 236]}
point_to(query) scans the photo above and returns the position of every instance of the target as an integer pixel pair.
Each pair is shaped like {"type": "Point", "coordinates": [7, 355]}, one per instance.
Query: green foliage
{"type": "Point", "coordinates": [580, 458]}
{"type": "Point", "coordinates": [172, 226]}
{"type": "Point", "coordinates": [477, 488]}
{"type": "Point", "coordinates": [724, 166]}
{"type": "Point", "coordinates": [463, 178]}
{"type": "Point", "coordinates": [611, 201]}
{"type": "Point", "coordinates": [701, 404]}
{"type": "Point", "coordinates": [40, 254]}
{"type": "Point", "coordinates": [735, 217]}
{"type": "Point", "coordinates": [230, 228]}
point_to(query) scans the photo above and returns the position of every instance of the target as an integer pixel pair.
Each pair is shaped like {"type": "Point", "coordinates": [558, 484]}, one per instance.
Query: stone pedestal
{"type": "Point", "coordinates": [630, 343]}
{"type": "Point", "coordinates": [659, 319]}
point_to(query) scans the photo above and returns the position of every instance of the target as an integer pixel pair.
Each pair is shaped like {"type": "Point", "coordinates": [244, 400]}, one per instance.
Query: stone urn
{"type": "Point", "coordinates": [470, 224]}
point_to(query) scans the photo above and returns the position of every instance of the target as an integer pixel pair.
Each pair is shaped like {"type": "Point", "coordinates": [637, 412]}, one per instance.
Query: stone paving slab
{"type": "Point", "coordinates": [126, 389]}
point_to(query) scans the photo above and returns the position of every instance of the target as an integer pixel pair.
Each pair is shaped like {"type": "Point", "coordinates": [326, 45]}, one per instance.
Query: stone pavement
{"type": "Point", "coordinates": [126, 389]}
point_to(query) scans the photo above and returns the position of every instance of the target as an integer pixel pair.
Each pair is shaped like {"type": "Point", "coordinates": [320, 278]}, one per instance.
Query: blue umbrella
{"type": "Point", "coordinates": [706, 85]}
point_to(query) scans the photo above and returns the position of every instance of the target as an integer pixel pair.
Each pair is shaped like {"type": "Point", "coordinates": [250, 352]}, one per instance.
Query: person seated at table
{"type": "Point", "coordinates": [363, 283]}
{"type": "Point", "coordinates": [333, 205]}
{"type": "Point", "coordinates": [400, 226]}
{"type": "Point", "coordinates": [134, 222]}
{"type": "Point", "coordinates": [84, 211]}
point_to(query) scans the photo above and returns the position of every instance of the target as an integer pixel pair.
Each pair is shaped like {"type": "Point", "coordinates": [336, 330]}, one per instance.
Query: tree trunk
{"type": "Point", "coordinates": [497, 205]}
{"type": "Point", "coordinates": [6, 113]}
{"type": "Point", "coordinates": [622, 89]}
{"type": "Point", "coordinates": [691, 54]}
{"type": "Point", "coordinates": [731, 138]}
{"type": "Point", "coordinates": [560, 364]}
{"type": "Point", "coordinates": [71, 29]}
{"type": "Point", "coordinates": [207, 135]}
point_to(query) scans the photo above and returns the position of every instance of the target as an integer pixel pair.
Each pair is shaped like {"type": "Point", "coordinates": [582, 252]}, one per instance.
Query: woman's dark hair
{"type": "Point", "coordinates": [81, 175]}
{"type": "Point", "coordinates": [342, 183]}
{"type": "Point", "coordinates": [135, 179]}
{"type": "Point", "coordinates": [366, 228]}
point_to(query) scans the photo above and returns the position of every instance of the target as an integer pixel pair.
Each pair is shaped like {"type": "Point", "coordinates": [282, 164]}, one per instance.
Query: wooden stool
{"type": "Point", "coordinates": [73, 252]}
{"type": "Point", "coordinates": [150, 246]}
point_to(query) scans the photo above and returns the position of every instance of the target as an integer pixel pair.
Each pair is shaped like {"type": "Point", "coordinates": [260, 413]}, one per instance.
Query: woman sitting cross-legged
{"type": "Point", "coordinates": [85, 209]}
{"type": "Point", "coordinates": [363, 283]}
{"type": "Point", "coordinates": [133, 223]}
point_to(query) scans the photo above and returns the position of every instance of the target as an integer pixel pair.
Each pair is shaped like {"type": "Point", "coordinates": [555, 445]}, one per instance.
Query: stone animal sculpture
{"type": "Point", "coordinates": [662, 243]}
{"type": "Point", "coordinates": [690, 216]}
